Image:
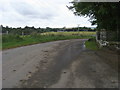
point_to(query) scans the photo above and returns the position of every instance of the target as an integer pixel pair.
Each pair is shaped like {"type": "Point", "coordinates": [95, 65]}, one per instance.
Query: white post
{"type": "Point", "coordinates": [22, 33]}
{"type": "Point", "coordinates": [7, 32]}
{"type": "Point", "coordinates": [78, 26]}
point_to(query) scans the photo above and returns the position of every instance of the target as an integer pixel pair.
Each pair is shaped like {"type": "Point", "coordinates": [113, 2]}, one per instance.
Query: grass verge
{"type": "Point", "coordinates": [13, 41]}
{"type": "Point", "coordinates": [91, 44]}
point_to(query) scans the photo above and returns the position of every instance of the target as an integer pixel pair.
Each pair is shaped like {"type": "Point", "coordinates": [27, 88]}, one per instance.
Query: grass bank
{"type": "Point", "coordinates": [12, 41]}
{"type": "Point", "coordinates": [91, 44]}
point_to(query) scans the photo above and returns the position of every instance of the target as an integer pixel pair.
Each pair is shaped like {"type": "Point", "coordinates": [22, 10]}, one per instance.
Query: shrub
{"type": "Point", "coordinates": [11, 37]}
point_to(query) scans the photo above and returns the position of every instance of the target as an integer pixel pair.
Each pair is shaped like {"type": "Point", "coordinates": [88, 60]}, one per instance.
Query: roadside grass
{"type": "Point", "coordinates": [13, 41]}
{"type": "Point", "coordinates": [91, 44]}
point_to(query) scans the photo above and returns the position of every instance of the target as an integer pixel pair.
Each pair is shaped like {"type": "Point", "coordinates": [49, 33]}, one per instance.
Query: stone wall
{"type": "Point", "coordinates": [108, 38]}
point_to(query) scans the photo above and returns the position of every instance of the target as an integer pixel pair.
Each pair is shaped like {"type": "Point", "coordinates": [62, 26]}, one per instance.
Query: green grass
{"type": "Point", "coordinates": [12, 41]}
{"type": "Point", "coordinates": [91, 44]}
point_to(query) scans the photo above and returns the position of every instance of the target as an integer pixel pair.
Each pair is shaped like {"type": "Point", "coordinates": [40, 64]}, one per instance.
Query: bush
{"type": "Point", "coordinates": [35, 35]}
{"type": "Point", "coordinates": [11, 37]}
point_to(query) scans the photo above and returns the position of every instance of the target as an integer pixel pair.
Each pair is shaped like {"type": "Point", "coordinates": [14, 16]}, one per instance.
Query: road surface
{"type": "Point", "coordinates": [58, 64]}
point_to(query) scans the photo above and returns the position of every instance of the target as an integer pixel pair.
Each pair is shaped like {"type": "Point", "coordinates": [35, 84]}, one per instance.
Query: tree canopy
{"type": "Point", "coordinates": [103, 14]}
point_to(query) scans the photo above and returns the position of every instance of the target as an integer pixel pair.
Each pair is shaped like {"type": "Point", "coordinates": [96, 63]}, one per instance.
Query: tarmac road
{"type": "Point", "coordinates": [59, 64]}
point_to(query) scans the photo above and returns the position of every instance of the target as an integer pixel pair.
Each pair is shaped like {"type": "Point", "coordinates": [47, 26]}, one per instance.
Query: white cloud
{"type": "Point", "coordinates": [39, 13]}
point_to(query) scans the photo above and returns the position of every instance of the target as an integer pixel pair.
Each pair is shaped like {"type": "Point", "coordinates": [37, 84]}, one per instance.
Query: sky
{"type": "Point", "coordinates": [39, 13]}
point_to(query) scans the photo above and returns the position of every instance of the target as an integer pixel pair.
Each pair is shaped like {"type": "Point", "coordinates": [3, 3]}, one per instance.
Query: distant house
{"type": "Point", "coordinates": [60, 31]}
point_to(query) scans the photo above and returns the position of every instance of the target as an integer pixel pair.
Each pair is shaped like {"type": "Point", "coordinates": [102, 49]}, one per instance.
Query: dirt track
{"type": "Point", "coordinates": [59, 64]}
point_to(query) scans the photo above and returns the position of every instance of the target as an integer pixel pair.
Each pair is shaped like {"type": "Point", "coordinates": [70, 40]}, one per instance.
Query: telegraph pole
{"type": "Point", "coordinates": [78, 26]}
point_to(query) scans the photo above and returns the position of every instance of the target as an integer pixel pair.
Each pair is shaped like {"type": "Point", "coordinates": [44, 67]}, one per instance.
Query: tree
{"type": "Point", "coordinates": [103, 14]}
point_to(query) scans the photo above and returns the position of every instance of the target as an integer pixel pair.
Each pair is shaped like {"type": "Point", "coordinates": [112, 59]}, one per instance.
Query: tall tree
{"type": "Point", "coordinates": [103, 14]}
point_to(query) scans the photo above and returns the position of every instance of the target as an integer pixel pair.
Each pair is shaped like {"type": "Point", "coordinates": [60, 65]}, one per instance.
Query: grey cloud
{"type": "Point", "coordinates": [38, 13]}
{"type": "Point", "coordinates": [30, 11]}
{"type": "Point", "coordinates": [24, 8]}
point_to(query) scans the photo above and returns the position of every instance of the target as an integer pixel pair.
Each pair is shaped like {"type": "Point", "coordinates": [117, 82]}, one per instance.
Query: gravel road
{"type": "Point", "coordinates": [58, 64]}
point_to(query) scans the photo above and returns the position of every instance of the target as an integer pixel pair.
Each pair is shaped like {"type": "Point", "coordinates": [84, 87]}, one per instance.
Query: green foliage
{"type": "Point", "coordinates": [104, 14]}
{"type": "Point", "coordinates": [12, 41]}
{"type": "Point", "coordinates": [11, 38]}
{"type": "Point", "coordinates": [31, 30]}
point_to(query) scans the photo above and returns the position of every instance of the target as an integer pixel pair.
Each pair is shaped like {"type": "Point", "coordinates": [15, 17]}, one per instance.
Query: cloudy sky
{"type": "Point", "coordinates": [39, 13]}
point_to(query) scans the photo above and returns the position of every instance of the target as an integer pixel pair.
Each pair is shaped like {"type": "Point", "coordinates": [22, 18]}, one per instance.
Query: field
{"type": "Point", "coordinates": [82, 33]}
{"type": "Point", "coordinates": [12, 41]}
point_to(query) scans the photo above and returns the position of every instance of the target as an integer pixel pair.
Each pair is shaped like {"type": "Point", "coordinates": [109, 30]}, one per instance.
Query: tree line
{"type": "Point", "coordinates": [28, 30]}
